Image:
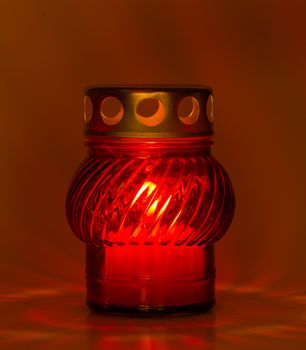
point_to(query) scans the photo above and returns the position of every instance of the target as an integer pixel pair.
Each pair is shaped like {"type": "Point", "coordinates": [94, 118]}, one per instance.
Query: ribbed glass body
{"type": "Point", "coordinates": [150, 211]}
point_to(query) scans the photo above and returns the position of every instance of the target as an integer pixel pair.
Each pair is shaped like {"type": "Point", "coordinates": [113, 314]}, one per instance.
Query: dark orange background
{"type": "Point", "coordinates": [253, 54]}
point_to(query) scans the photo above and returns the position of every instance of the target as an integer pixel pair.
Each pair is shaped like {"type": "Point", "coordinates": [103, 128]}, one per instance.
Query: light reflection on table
{"type": "Point", "coordinates": [242, 319]}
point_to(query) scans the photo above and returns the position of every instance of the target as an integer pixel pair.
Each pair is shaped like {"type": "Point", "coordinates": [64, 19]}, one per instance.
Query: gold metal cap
{"type": "Point", "coordinates": [148, 111]}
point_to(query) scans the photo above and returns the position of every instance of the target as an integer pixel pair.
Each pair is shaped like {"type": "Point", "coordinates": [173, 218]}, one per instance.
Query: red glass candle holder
{"type": "Point", "coordinates": [150, 200]}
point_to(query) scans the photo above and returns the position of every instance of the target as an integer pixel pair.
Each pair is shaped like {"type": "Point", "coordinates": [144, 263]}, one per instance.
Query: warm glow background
{"type": "Point", "coordinates": [253, 54]}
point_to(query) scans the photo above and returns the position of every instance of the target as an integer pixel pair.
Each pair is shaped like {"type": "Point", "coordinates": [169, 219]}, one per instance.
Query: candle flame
{"type": "Point", "coordinates": [152, 207]}
{"type": "Point", "coordinates": [149, 186]}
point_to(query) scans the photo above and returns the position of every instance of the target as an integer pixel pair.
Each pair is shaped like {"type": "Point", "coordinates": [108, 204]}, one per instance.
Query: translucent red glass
{"type": "Point", "coordinates": [150, 211]}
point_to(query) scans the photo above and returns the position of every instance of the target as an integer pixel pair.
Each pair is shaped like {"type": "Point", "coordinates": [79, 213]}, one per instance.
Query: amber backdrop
{"type": "Point", "coordinates": [253, 54]}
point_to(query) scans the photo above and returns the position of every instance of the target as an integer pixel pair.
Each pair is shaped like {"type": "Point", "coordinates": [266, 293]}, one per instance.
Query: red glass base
{"type": "Point", "coordinates": [150, 280]}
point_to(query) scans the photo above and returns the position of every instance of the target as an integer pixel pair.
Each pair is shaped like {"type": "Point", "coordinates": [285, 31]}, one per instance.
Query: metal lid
{"type": "Point", "coordinates": [148, 111]}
